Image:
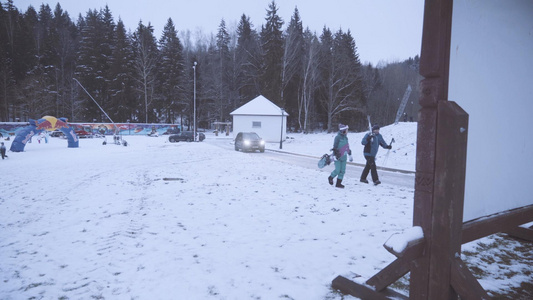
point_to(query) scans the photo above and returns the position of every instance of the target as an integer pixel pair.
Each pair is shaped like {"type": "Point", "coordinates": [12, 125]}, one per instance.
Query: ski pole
{"type": "Point", "coordinates": [388, 151]}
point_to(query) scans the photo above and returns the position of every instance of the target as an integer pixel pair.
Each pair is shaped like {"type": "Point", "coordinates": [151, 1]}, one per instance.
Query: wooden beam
{"type": "Point", "coordinates": [500, 222]}
{"type": "Point", "coordinates": [349, 287]}
{"type": "Point", "coordinates": [398, 268]}
{"type": "Point", "coordinates": [464, 283]}
{"type": "Point", "coordinates": [522, 233]}
{"type": "Point", "coordinates": [388, 275]}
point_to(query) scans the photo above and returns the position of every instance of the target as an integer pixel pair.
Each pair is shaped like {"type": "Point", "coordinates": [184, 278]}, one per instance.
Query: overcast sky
{"type": "Point", "coordinates": [384, 30]}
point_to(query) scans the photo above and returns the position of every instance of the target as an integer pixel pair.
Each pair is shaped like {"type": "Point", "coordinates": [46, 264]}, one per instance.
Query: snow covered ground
{"type": "Point", "coordinates": [402, 155]}
{"type": "Point", "coordinates": [160, 220]}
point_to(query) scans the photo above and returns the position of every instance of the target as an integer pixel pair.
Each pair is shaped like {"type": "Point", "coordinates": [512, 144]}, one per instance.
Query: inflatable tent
{"type": "Point", "coordinates": [48, 123]}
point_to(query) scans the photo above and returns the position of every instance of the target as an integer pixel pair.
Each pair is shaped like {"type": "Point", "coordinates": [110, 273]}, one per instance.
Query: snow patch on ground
{"type": "Point", "coordinates": [160, 220]}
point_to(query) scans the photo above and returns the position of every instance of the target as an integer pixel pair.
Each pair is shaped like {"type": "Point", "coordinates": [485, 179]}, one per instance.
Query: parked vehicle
{"type": "Point", "coordinates": [172, 131]}
{"type": "Point", "coordinates": [186, 136]}
{"type": "Point", "coordinates": [83, 134]}
{"type": "Point", "coordinates": [249, 141]}
{"type": "Point", "coordinates": [57, 133]}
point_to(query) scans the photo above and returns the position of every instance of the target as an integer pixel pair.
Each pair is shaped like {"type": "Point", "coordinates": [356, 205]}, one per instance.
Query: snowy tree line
{"type": "Point", "coordinates": [318, 79]}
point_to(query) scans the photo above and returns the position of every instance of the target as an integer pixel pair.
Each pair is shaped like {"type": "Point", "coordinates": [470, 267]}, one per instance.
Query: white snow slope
{"type": "Point", "coordinates": [160, 220]}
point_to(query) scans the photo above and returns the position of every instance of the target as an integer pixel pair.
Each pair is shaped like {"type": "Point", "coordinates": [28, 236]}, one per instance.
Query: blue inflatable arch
{"type": "Point", "coordinates": [37, 126]}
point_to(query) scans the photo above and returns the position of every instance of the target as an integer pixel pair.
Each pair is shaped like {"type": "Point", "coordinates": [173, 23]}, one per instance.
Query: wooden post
{"type": "Point", "coordinates": [437, 271]}
{"type": "Point", "coordinates": [448, 198]}
{"type": "Point", "coordinates": [434, 67]}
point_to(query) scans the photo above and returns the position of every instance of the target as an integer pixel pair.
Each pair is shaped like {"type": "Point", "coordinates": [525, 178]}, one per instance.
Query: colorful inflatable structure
{"type": "Point", "coordinates": [48, 123]}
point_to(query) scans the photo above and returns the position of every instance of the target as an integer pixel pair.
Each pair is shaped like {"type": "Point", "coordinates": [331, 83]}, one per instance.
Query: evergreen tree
{"type": "Point", "coordinates": [39, 96]}
{"type": "Point", "coordinates": [171, 72]}
{"type": "Point", "coordinates": [272, 45]}
{"type": "Point", "coordinates": [120, 74]}
{"type": "Point", "coordinates": [106, 50]}
{"type": "Point", "coordinates": [5, 75]}
{"type": "Point", "coordinates": [46, 37]}
{"type": "Point", "coordinates": [205, 55]}
{"type": "Point", "coordinates": [351, 98]}
{"type": "Point", "coordinates": [222, 69]}
{"type": "Point", "coordinates": [326, 75]}
{"type": "Point", "coordinates": [65, 53]}
{"type": "Point", "coordinates": [29, 27]}
{"type": "Point", "coordinates": [24, 63]}
{"type": "Point", "coordinates": [8, 37]}
{"type": "Point", "coordinates": [207, 83]}
{"type": "Point", "coordinates": [248, 62]}
{"type": "Point", "coordinates": [17, 40]}
{"type": "Point", "coordinates": [92, 65]}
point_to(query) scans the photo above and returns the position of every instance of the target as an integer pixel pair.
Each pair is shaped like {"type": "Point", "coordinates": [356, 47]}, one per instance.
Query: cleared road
{"type": "Point", "coordinates": [353, 171]}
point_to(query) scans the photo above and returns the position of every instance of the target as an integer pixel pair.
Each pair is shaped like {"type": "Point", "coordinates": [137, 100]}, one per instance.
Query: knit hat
{"type": "Point", "coordinates": [343, 127]}
{"type": "Point", "coordinates": [375, 127]}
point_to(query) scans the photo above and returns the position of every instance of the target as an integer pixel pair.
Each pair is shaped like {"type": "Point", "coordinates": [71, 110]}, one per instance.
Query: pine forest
{"type": "Point", "coordinates": [317, 77]}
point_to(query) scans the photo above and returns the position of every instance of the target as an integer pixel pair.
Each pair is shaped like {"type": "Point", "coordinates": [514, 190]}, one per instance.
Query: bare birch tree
{"type": "Point", "coordinates": [342, 91]}
{"type": "Point", "coordinates": [310, 77]}
{"type": "Point", "coordinates": [144, 63]}
{"type": "Point", "coordinates": [291, 63]}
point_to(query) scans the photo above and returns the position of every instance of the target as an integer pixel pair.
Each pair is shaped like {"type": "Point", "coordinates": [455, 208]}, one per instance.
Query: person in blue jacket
{"type": "Point", "coordinates": [341, 150]}
{"type": "Point", "coordinates": [372, 141]}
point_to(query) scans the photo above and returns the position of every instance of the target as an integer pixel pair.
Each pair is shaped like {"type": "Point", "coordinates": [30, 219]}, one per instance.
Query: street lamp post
{"type": "Point", "coordinates": [194, 109]}
{"type": "Point", "coordinates": [281, 136]}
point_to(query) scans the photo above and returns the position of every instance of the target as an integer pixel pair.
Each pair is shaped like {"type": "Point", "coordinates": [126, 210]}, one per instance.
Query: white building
{"type": "Point", "coordinates": [263, 117]}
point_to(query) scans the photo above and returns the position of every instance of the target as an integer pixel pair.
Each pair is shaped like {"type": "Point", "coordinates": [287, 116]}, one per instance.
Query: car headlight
{"type": "Point", "coordinates": [262, 143]}
{"type": "Point", "coordinates": [246, 142]}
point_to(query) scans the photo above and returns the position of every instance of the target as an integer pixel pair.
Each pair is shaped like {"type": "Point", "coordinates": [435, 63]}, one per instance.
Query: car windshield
{"type": "Point", "coordinates": [251, 136]}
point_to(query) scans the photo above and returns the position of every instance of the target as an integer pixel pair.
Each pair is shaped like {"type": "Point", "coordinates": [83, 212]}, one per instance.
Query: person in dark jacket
{"type": "Point", "coordinates": [3, 150]}
{"type": "Point", "coordinates": [372, 141]}
{"type": "Point", "coordinates": [341, 150]}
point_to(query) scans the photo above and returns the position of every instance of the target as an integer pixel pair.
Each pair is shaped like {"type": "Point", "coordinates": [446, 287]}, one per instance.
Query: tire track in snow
{"type": "Point", "coordinates": [119, 223]}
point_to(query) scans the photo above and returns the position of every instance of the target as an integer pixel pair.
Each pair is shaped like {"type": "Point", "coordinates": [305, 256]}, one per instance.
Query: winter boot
{"type": "Point", "coordinates": [330, 180]}
{"type": "Point", "coordinates": [377, 182]}
{"type": "Point", "coordinates": [339, 185]}
{"type": "Point", "coordinates": [363, 180]}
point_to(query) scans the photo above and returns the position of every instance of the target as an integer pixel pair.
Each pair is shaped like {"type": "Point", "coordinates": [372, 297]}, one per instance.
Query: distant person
{"type": "Point", "coordinates": [372, 141]}
{"type": "Point", "coordinates": [341, 150]}
{"type": "Point", "coordinates": [3, 150]}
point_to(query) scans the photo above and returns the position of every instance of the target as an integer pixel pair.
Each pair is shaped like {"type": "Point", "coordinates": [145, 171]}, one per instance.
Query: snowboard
{"type": "Point", "coordinates": [325, 160]}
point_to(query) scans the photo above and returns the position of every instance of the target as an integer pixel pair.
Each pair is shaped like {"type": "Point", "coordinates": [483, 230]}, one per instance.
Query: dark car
{"type": "Point", "coordinates": [186, 136]}
{"type": "Point", "coordinates": [249, 141]}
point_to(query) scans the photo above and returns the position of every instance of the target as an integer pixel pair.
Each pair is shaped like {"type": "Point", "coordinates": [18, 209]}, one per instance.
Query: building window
{"type": "Point", "coordinates": [256, 124]}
